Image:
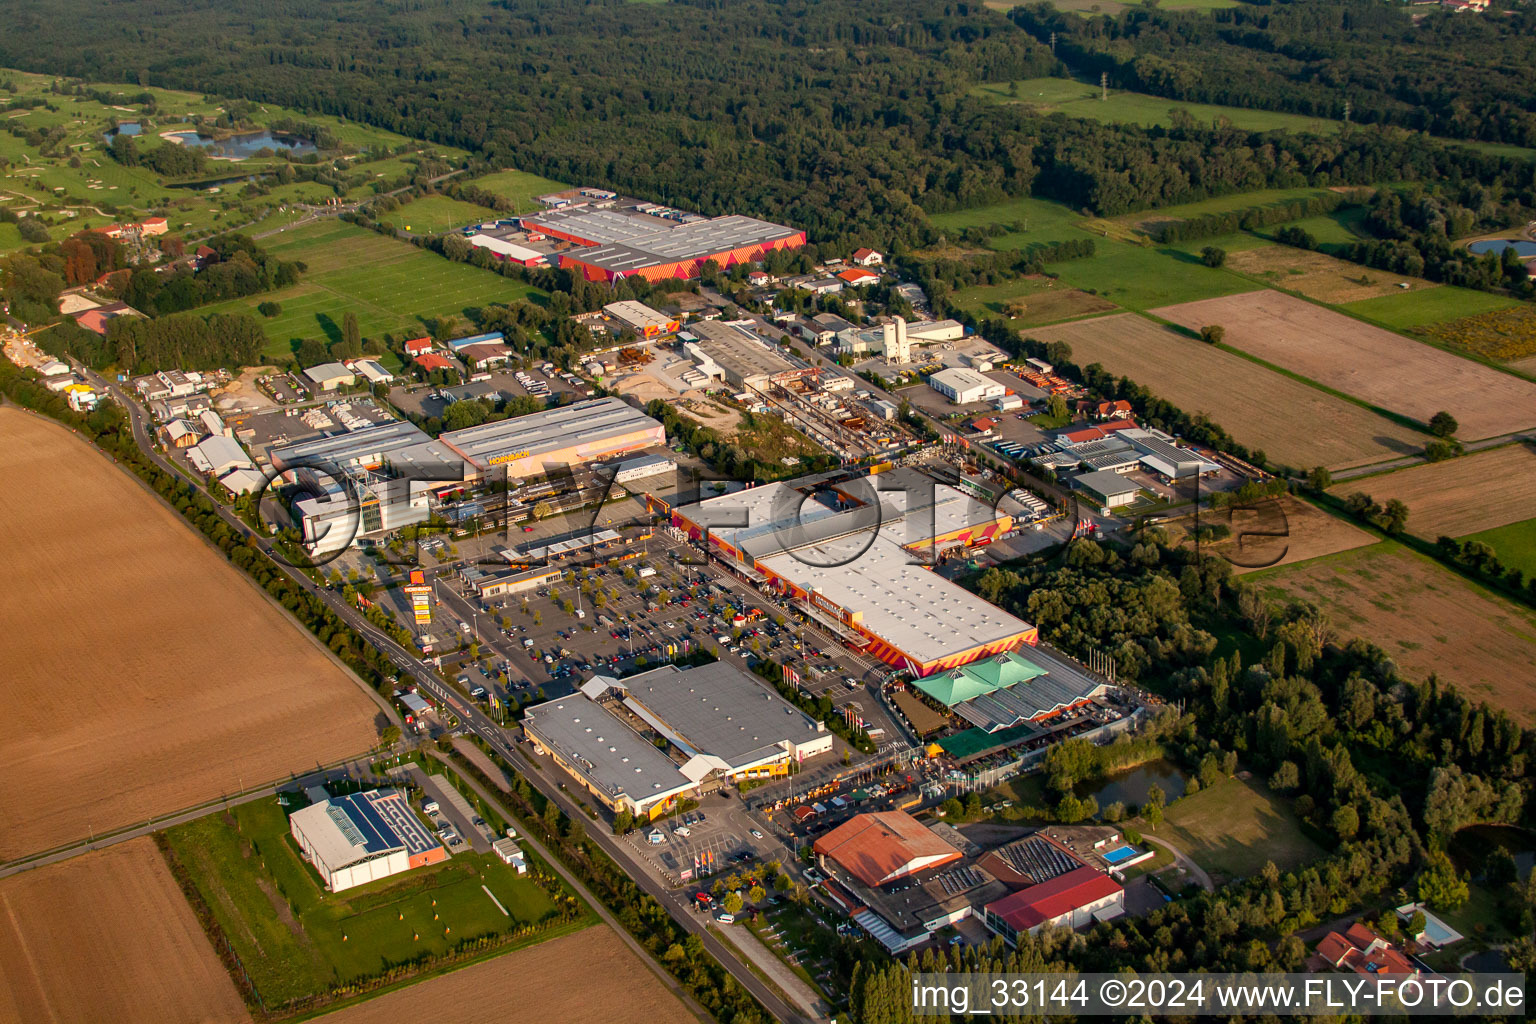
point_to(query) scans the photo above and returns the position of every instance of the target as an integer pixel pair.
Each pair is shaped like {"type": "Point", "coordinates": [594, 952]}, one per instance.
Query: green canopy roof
{"type": "Point", "coordinates": [981, 677]}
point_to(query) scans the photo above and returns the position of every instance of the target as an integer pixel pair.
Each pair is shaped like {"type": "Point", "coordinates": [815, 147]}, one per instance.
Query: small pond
{"type": "Point", "coordinates": [1130, 787]}
{"type": "Point", "coordinates": [1500, 244]}
{"type": "Point", "coordinates": [239, 147]}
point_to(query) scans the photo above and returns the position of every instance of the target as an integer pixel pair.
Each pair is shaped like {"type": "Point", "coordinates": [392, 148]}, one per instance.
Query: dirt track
{"type": "Point", "coordinates": [1385, 369]}
{"type": "Point", "coordinates": [142, 672]}
{"type": "Point", "coordinates": [589, 976]}
{"type": "Point", "coordinates": [108, 937]}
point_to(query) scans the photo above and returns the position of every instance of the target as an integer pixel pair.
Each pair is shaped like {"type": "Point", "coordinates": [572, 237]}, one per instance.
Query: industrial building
{"type": "Point", "coordinates": [218, 455]}
{"type": "Point", "coordinates": [642, 319]}
{"type": "Point", "coordinates": [735, 354]}
{"type": "Point", "coordinates": [504, 250]}
{"type": "Point", "coordinates": [963, 385]}
{"type": "Point", "coordinates": [616, 241]}
{"type": "Point", "coordinates": [565, 436]}
{"type": "Point", "coordinates": [330, 376]}
{"type": "Point", "coordinates": [363, 837]}
{"type": "Point", "coordinates": [1071, 900]}
{"type": "Point", "coordinates": [390, 469]}
{"type": "Point", "coordinates": [1107, 487]}
{"type": "Point", "coordinates": [851, 555]}
{"type": "Point", "coordinates": [929, 331]}
{"type": "Point", "coordinates": [716, 724]}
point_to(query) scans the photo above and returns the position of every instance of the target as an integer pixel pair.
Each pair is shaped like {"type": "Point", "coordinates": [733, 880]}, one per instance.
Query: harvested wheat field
{"type": "Point", "coordinates": [142, 672]}
{"type": "Point", "coordinates": [1294, 423]}
{"type": "Point", "coordinates": [1459, 496]}
{"type": "Point", "coordinates": [1370, 363]}
{"type": "Point", "coordinates": [1320, 277]}
{"type": "Point", "coordinates": [1274, 532]}
{"type": "Point", "coordinates": [589, 976]}
{"type": "Point", "coordinates": [108, 936]}
{"type": "Point", "coordinates": [1426, 618]}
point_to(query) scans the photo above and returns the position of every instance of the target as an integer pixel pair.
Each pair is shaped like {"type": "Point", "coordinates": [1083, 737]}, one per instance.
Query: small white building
{"type": "Point", "coordinates": [372, 371]}
{"type": "Point", "coordinates": [243, 481]}
{"type": "Point", "coordinates": [1007, 403]}
{"type": "Point", "coordinates": [218, 455]}
{"type": "Point", "coordinates": [867, 258]}
{"type": "Point", "coordinates": [212, 423]}
{"type": "Point", "coordinates": [963, 385]}
{"type": "Point", "coordinates": [511, 853]}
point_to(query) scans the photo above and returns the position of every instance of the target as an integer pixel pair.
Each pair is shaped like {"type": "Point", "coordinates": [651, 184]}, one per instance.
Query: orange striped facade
{"type": "Point", "coordinates": [682, 269]}
{"type": "Point", "coordinates": [875, 644]}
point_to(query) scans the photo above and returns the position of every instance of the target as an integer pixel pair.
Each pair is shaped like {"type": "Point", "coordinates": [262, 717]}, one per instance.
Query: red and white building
{"type": "Point", "coordinates": [879, 848]}
{"type": "Point", "coordinates": [867, 258]}
{"type": "Point", "coordinates": [1073, 900]}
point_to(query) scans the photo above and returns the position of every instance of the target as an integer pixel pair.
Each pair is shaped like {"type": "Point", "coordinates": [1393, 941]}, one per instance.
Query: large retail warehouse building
{"type": "Point", "coordinates": [565, 436]}
{"type": "Point", "coordinates": [854, 555]}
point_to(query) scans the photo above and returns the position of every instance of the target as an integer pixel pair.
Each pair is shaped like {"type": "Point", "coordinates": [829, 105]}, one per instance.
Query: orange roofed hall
{"type": "Point", "coordinates": [880, 848]}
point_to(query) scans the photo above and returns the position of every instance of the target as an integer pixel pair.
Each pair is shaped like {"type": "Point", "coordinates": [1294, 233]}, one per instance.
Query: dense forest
{"type": "Point", "coordinates": [847, 119]}
{"type": "Point", "coordinates": [1359, 60]}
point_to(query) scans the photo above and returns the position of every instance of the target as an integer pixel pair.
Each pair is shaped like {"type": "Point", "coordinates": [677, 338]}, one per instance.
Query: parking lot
{"type": "Point", "coordinates": [429, 401]}
{"type": "Point", "coordinates": [530, 644]}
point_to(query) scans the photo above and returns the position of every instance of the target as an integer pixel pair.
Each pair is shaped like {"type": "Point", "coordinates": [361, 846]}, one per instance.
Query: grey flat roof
{"type": "Point", "coordinates": [1106, 483]}
{"type": "Point", "coordinates": [603, 749]}
{"type": "Point", "coordinates": [738, 350]}
{"type": "Point", "coordinates": [719, 709]}
{"type": "Point", "coordinates": [626, 240]}
{"type": "Point", "coordinates": [565, 426]}
{"type": "Point", "coordinates": [906, 604]}
{"type": "Point", "coordinates": [397, 441]}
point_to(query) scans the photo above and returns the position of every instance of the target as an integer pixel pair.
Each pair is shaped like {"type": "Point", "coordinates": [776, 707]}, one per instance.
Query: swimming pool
{"type": "Point", "coordinates": [1122, 854]}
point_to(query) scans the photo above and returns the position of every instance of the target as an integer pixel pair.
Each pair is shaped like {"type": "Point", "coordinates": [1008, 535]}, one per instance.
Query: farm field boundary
{"type": "Point", "coordinates": [1367, 362]}
{"type": "Point", "coordinates": [1259, 407]}
{"type": "Point", "coordinates": [1476, 492]}
{"type": "Point", "coordinates": [1425, 617]}
{"type": "Point", "coordinates": [209, 687]}
{"type": "Point", "coordinates": [108, 937]}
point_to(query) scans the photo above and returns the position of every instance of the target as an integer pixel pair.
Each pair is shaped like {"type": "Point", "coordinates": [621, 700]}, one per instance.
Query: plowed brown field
{"type": "Point", "coordinates": [1426, 618]}
{"type": "Point", "coordinates": [1371, 363]}
{"type": "Point", "coordinates": [142, 673]}
{"type": "Point", "coordinates": [589, 976]}
{"type": "Point", "coordinates": [1460, 496]}
{"type": "Point", "coordinates": [1293, 422]}
{"type": "Point", "coordinates": [108, 936]}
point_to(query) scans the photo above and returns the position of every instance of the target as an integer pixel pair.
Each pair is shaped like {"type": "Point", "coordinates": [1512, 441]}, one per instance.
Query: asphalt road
{"type": "Point", "coordinates": [470, 717]}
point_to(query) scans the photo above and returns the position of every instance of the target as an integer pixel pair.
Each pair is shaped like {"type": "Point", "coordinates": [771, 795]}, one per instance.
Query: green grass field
{"type": "Point", "coordinates": [1515, 543]}
{"type": "Point", "coordinates": [1142, 278]}
{"type": "Point", "coordinates": [1082, 100]}
{"type": "Point", "coordinates": [520, 186]}
{"type": "Point", "coordinates": [1039, 221]}
{"type": "Point", "coordinates": [1048, 301]}
{"type": "Point", "coordinates": [1340, 227]}
{"type": "Point", "coordinates": [1221, 204]}
{"type": "Point", "coordinates": [433, 215]}
{"type": "Point", "coordinates": [296, 939]}
{"type": "Point", "coordinates": [1408, 310]}
{"type": "Point", "coordinates": [10, 237]}
{"type": "Point", "coordinates": [1235, 826]}
{"type": "Point", "coordinates": [392, 286]}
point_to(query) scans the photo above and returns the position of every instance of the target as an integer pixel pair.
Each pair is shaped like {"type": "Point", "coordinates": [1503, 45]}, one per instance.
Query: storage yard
{"type": "Point", "coordinates": [1459, 496]}
{"type": "Point", "coordinates": [1382, 368]}
{"type": "Point", "coordinates": [1261, 408]}
{"type": "Point", "coordinates": [537, 986]}
{"type": "Point", "coordinates": [1425, 618]}
{"type": "Point", "coordinates": [145, 673]}
{"type": "Point", "coordinates": [108, 936]}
